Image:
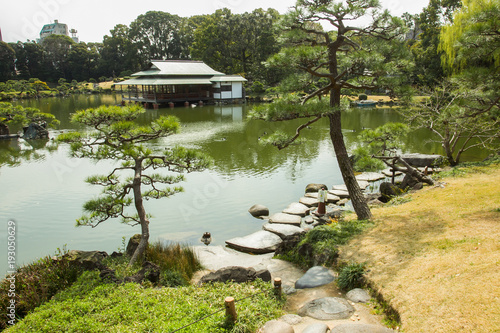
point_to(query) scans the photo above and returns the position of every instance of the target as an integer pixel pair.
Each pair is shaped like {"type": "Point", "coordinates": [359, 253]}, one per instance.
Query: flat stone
{"type": "Point", "coordinates": [358, 295]}
{"type": "Point", "coordinates": [316, 328]}
{"type": "Point", "coordinates": [276, 326]}
{"type": "Point", "coordinates": [420, 160]}
{"type": "Point", "coordinates": [370, 176]}
{"type": "Point", "coordinates": [291, 319]}
{"type": "Point", "coordinates": [340, 193]}
{"type": "Point", "coordinates": [363, 184]}
{"type": "Point", "coordinates": [329, 196]}
{"type": "Point", "coordinates": [217, 257]}
{"type": "Point", "coordinates": [285, 219]}
{"type": "Point", "coordinates": [316, 276]}
{"type": "Point", "coordinates": [259, 210]}
{"type": "Point", "coordinates": [360, 328]}
{"type": "Point", "coordinates": [327, 308]}
{"type": "Point", "coordinates": [308, 201]}
{"type": "Point", "coordinates": [282, 230]}
{"type": "Point", "coordinates": [296, 208]}
{"type": "Point", "coordinates": [258, 242]}
{"type": "Point", "coordinates": [388, 172]}
{"type": "Point", "coordinates": [339, 188]}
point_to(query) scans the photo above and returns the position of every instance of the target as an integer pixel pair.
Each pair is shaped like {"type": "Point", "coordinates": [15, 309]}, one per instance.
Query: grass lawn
{"type": "Point", "coordinates": [436, 258]}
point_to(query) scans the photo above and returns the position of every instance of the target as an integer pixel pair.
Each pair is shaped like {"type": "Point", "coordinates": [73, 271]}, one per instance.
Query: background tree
{"type": "Point", "coordinates": [7, 62]}
{"type": "Point", "coordinates": [347, 57]}
{"type": "Point", "coordinates": [118, 52]}
{"type": "Point", "coordinates": [118, 137]}
{"type": "Point", "coordinates": [56, 56]}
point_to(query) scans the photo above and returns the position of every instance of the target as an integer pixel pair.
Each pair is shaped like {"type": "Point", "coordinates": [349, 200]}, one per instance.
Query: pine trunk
{"type": "Point", "coordinates": [139, 206]}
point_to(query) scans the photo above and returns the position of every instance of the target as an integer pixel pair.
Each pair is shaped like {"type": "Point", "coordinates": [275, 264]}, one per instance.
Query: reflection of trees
{"type": "Point", "coordinates": [13, 152]}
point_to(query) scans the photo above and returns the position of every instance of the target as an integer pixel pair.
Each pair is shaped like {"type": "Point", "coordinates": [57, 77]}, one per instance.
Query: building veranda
{"type": "Point", "coordinates": [181, 81]}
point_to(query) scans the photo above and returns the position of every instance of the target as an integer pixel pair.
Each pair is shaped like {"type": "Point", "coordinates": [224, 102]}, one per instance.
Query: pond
{"type": "Point", "coordinates": [44, 190]}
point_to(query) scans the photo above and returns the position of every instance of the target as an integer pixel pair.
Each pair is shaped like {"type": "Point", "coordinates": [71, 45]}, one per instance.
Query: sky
{"type": "Point", "coordinates": [95, 18]}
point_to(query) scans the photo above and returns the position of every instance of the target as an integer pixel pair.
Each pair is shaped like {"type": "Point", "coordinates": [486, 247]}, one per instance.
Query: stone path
{"type": "Point", "coordinates": [326, 299]}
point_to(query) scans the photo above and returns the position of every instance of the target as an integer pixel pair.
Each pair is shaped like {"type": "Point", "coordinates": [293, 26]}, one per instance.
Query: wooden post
{"type": "Point", "coordinates": [230, 308]}
{"type": "Point", "coordinates": [277, 287]}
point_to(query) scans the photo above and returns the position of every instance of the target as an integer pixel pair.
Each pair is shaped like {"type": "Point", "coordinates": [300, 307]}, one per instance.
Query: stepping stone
{"type": "Point", "coordinates": [316, 276]}
{"type": "Point", "coordinates": [358, 295]}
{"type": "Point", "coordinates": [340, 193]}
{"type": "Point", "coordinates": [339, 188]}
{"type": "Point", "coordinates": [276, 326]}
{"type": "Point", "coordinates": [316, 328]}
{"type": "Point", "coordinates": [258, 242]}
{"type": "Point", "coordinates": [308, 201]}
{"type": "Point", "coordinates": [282, 230]}
{"type": "Point", "coordinates": [388, 172]}
{"type": "Point", "coordinates": [258, 211]}
{"type": "Point", "coordinates": [329, 196]}
{"type": "Point", "coordinates": [420, 160]}
{"type": "Point", "coordinates": [327, 308]}
{"type": "Point", "coordinates": [296, 208]}
{"type": "Point", "coordinates": [363, 184]}
{"type": "Point", "coordinates": [315, 187]}
{"type": "Point", "coordinates": [360, 328]}
{"type": "Point", "coordinates": [291, 319]}
{"type": "Point", "coordinates": [370, 176]}
{"type": "Point", "coordinates": [285, 219]}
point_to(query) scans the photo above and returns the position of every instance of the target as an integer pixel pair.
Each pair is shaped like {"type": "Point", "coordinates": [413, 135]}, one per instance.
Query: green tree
{"type": "Point", "coordinates": [347, 57]}
{"type": "Point", "coordinates": [118, 52]}
{"type": "Point", "coordinates": [56, 56]}
{"type": "Point", "coordinates": [7, 61]}
{"type": "Point", "coordinates": [118, 137]}
{"type": "Point", "coordinates": [21, 116]}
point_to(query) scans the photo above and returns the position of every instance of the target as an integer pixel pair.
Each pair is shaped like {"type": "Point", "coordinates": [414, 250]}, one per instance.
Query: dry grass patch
{"type": "Point", "coordinates": [436, 259]}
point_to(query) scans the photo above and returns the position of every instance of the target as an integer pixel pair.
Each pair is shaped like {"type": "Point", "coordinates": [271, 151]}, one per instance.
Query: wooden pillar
{"type": "Point", "coordinates": [277, 287]}
{"type": "Point", "coordinates": [230, 309]}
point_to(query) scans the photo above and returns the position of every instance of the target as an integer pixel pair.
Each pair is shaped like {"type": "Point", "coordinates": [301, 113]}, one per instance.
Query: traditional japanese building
{"type": "Point", "coordinates": [176, 81]}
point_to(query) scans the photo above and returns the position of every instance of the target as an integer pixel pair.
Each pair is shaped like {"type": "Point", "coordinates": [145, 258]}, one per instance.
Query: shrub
{"type": "Point", "coordinates": [351, 276]}
{"type": "Point", "coordinates": [363, 97]}
{"type": "Point", "coordinates": [35, 284]}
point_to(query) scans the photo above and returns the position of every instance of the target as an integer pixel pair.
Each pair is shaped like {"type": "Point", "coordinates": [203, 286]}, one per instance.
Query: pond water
{"type": "Point", "coordinates": [44, 190]}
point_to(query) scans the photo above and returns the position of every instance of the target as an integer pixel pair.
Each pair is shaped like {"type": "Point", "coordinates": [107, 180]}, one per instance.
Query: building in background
{"type": "Point", "coordinates": [57, 28]}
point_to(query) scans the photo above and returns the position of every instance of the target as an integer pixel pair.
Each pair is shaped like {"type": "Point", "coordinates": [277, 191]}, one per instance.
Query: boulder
{"type": "Point", "coordinates": [87, 260]}
{"type": "Point", "coordinates": [315, 187]}
{"type": "Point", "coordinates": [132, 245]}
{"type": "Point", "coordinates": [282, 230]}
{"type": "Point", "coordinates": [408, 182]}
{"type": "Point", "coordinates": [370, 176]}
{"type": "Point", "coordinates": [327, 308]}
{"type": "Point", "coordinates": [316, 328]}
{"type": "Point", "coordinates": [421, 160]}
{"type": "Point", "coordinates": [310, 202]}
{"type": "Point", "coordinates": [35, 131]}
{"type": "Point", "coordinates": [358, 295]}
{"type": "Point", "coordinates": [289, 243]}
{"type": "Point", "coordinates": [285, 219]}
{"type": "Point", "coordinates": [259, 210]}
{"type": "Point", "coordinates": [360, 328]}
{"type": "Point", "coordinates": [276, 326]}
{"type": "Point", "coordinates": [315, 277]}
{"type": "Point", "coordinates": [232, 273]}
{"type": "Point", "coordinates": [388, 190]}
{"type": "Point", "coordinates": [257, 243]}
{"type": "Point", "coordinates": [296, 208]}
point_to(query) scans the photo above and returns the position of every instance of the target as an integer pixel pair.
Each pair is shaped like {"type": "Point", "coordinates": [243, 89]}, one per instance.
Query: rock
{"type": "Point", "coordinates": [358, 295]}
{"type": "Point", "coordinates": [258, 242]}
{"type": "Point", "coordinates": [421, 160]}
{"type": "Point", "coordinates": [309, 219]}
{"type": "Point", "coordinates": [359, 328]}
{"type": "Point", "coordinates": [35, 132]}
{"type": "Point", "coordinates": [329, 197]}
{"type": "Point", "coordinates": [315, 187]}
{"type": "Point", "coordinates": [388, 172]}
{"type": "Point", "coordinates": [217, 257]}
{"type": "Point", "coordinates": [408, 182]}
{"type": "Point", "coordinates": [282, 230]}
{"type": "Point", "coordinates": [289, 243]}
{"type": "Point", "coordinates": [340, 193]}
{"type": "Point", "coordinates": [327, 308]}
{"type": "Point", "coordinates": [316, 276]}
{"type": "Point", "coordinates": [388, 190]}
{"type": "Point", "coordinates": [339, 188]}
{"type": "Point", "coordinates": [316, 328]}
{"type": "Point", "coordinates": [297, 208]}
{"type": "Point", "coordinates": [87, 260]}
{"type": "Point", "coordinates": [370, 176]}
{"type": "Point", "coordinates": [276, 326]}
{"type": "Point", "coordinates": [285, 219]}
{"type": "Point", "coordinates": [363, 184]}
{"type": "Point", "coordinates": [133, 242]}
{"type": "Point", "coordinates": [418, 186]}
{"type": "Point", "coordinates": [149, 271]}
{"type": "Point", "coordinates": [233, 273]}
{"type": "Point", "coordinates": [291, 319]}
{"type": "Point", "coordinates": [288, 290]}
{"type": "Point", "coordinates": [310, 202]}
{"type": "Point", "coordinates": [259, 210]}
{"type": "Point", "coordinates": [264, 275]}
{"type": "Point", "coordinates": [342, 202]}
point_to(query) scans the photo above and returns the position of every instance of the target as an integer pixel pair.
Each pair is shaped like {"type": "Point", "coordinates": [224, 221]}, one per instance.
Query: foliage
{"type": "Point", "coordinates": [116, 136]}
{"type": "Point", "coordinates": [351, 276]}
{"type": "Point", "coordinates": [385, 140]}
{"type": "Point", "coordinates": [362, 97]}
{"type": "Point", "coordinates": [92, 306]}
{"type": "Point", "coordinates": [35, 284]}
{"type": "Point", "coordinates": [177, 263]}
{"type": "Point", "coordinates": [363, 161]}
{"type": "Point", "coordinates": [7, 61]}
{"type": "Point", "coordinates": [21, 116]}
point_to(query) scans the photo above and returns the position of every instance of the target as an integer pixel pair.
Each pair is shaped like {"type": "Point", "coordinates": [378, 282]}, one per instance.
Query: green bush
{"type": "Point", "coordinates": [35, 284]}
{"type": "Point", "coordinates": [363, 97]}
{"type": "Point", "coordinates": [351, 276]}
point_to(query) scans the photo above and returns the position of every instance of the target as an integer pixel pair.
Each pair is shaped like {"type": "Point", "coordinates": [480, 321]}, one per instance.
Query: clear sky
{"type": "Point", "coordinates": [23, 19]}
